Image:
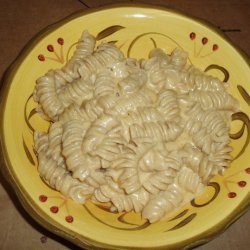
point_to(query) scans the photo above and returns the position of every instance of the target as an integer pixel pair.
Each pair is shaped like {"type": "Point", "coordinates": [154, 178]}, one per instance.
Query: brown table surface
{"type": "Point", "coordinates": [20, 20]}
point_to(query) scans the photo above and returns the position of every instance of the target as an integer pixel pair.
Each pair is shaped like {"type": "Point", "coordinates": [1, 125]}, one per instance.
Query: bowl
{"type": "Point", "coordinates": [136, 29]}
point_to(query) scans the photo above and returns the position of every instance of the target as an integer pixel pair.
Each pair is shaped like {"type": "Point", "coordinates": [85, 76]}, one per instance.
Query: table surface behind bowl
{"type": "Point", "coordinates": [21, 20]}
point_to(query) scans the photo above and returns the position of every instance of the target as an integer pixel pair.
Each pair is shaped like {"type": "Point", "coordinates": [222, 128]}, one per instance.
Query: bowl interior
{"type": "Point", "coordinates": [136, 30]}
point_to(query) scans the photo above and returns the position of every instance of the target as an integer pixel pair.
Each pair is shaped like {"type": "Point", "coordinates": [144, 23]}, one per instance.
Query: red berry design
{"type": "Point", "coordinates": [41, 58]}
{"type": "Point", "coordinates": [242, 183]}
{"type": "Point", "coordinates": [247, 170]}
{"type": "Point", "coordinates": [43, 239]}
{"type": "Point", "coordinates": [192, 36]}
{"type": "Point", "coordinates": [204, 40]}
{"type": "Point", "coordinates": [60, 41]}
{"type": "Point", "coordinates": [215, 47]}
{"type": "Point", "coordinates": [50, 48]}
{"type": "Point", "coordinates": [69, 219]}
{"type": "Point", "coordinates": [54, 209]}
{"type": "Point", "coordinates": [232, 194]}
{"type": "Point", "coordinates": [43, 198]}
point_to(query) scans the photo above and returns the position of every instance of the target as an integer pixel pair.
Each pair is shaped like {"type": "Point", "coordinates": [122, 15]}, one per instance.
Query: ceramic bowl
{"type": "Point", "coordinates": [136, 30]}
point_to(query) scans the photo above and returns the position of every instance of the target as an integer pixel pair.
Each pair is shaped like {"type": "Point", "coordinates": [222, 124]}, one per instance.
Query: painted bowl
{"type": "Point", "coordinates": [136, 29]}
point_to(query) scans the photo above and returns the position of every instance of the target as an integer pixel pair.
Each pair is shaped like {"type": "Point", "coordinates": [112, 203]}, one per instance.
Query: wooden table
{"type": "Point", "coordinates": [21, 20]}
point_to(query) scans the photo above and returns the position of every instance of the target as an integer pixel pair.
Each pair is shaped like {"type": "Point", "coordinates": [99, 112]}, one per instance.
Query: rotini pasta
{"type": "Point", "coordinates": [144, 136]}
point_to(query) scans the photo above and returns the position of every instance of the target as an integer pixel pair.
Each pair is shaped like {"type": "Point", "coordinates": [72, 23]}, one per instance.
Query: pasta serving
{"type": "Point", "coordinates": [144, 135]}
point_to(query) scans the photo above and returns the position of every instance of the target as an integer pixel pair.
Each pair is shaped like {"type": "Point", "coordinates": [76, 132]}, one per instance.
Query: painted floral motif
{"type": "Point", "coordinates": [56, 208]}
{"type": "Point", "coordinates": [230, 183]}
{"type": "Point", "coordinates": [57, 56]}
{"type": "Point", "coordinates": [200, 44]}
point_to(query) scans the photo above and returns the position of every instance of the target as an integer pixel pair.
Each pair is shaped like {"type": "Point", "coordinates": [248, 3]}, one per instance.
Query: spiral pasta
{"type": "Point", "coordinates": [143, 136]}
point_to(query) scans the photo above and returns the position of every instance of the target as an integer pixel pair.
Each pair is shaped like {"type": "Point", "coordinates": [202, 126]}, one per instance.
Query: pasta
{"type": "Point", "coordinates": [143, 136]}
